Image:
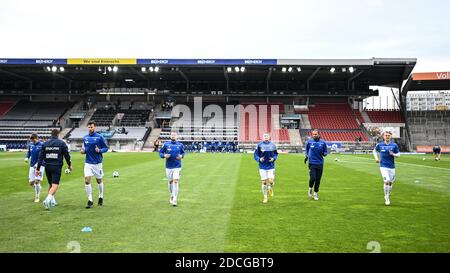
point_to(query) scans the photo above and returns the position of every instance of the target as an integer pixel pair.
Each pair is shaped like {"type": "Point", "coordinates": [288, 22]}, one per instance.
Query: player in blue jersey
{"type": "Point", "coordinates": [34, 148]}
{"type": "Point", "coordinates": [388, 151]}
{"type": "Point", "coordinates": [173, 152]}
{"type": "Point", "coordinates": [266, 154]}
{"type": "Point", "coordinates": [94, 145]}
{"type": "Point", "coordinates": [316, 150]}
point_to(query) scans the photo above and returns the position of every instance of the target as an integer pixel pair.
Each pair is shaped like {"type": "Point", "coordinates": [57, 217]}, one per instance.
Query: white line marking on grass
{"type": "Point", "coordinates": [412, 164]}
{"type": "Point", "coordinates": [357, 162]}
{"type": "Point", "coordinates": [405, 163]}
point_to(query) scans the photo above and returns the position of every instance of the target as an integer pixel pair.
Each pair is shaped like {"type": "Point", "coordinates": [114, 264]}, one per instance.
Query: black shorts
{"type": "Point", "coordinates": [436, 151]}
{"type": "Point", "coordinates": [53, 174]}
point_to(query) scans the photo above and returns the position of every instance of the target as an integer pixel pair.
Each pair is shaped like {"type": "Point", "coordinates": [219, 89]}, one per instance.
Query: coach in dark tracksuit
{"type": "Point", "coordinates": [53, 151]}
{"type": "Point", "coordinates": [316, 150]}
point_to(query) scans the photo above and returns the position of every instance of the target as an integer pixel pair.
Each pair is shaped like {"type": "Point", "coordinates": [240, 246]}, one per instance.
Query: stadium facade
{"type": "Point", "coordinates": [225, 104]}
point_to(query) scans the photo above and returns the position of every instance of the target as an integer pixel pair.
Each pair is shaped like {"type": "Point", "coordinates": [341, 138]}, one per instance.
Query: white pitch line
{"type": "Point", "coordinates": [412, 164]}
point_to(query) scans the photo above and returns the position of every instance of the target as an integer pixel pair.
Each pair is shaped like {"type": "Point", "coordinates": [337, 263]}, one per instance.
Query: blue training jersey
{"type": "Point", "coordinates": [266, 150]}
{"type": "Point", "coordinates": [33, 152]}
{"type": "Point", "coordinates": [90, 141]}
{"type": "Point", "coordinates": [316, 151]}
{"type": "Point", "coordinates": [174, 148]}
{"type": "Point", "coordinates": [387, 160]}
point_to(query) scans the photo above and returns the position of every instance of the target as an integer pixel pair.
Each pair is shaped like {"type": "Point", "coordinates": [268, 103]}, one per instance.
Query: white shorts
{"type": "Point", "coordinates": [172, 174]}
{"type": "Point", "coordinates": [267, 174]}
{"type": "Point", "coordinates": [93, 170]}
{"type": "Point", "coordinates": [388, 174]}
{"type": "Point", "coordinates": [32, 175]}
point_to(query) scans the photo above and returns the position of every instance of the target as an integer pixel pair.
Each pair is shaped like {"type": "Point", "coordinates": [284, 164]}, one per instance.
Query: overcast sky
{"type": "Point", "coordinates": [228, 29]}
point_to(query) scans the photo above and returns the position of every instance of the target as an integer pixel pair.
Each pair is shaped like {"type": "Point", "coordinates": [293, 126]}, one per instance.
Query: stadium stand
{"type": "Point", "coordinates": [266, 116]}
{"type": "Point", "coordinates": [347, 136]}
{"type": "Point", "coordinates": [104, 117]}
{"type": "Point", "coordinates": [318, 98]}
{"type": "Point", "coordinates": [202, 128]}
{"type": "Point", "coordinates": [244, 130]}
{"type": "Point", "coordinates": [27, 117]}
{"type": "Point", "coordinates": [359, 116]}
{"type": "Point", "coordinates": [134, 114]}
{"type": "Point", "coordinates": [5, 107]}
{"type": "Point", "coordinates": [385, 116]}
{"type": "Point", "coordinates": [132, 139]}
{"type": "Point", "coordinates": [336, 122]}
{"type": "Point", "coordinates": [35, 113]}
{"type": "Point", "coordinates": [122, 123]}
{"type": "Point", "coordinates": [429, 127]}
{"type": "Point", "coordinates": [332, 116]}
{"type": "Point", "coordinates": [132, 133]}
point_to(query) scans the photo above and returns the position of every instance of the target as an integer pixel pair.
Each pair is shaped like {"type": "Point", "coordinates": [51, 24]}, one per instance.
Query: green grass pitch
{"type": "Point", "coordinates": [221, 210]}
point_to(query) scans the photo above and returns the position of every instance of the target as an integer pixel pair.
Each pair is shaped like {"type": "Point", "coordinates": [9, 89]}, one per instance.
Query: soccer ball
{"type": "Point", "coordinates": [424, 159]}
{"type": "Point", "coordinates": [115, 174]}
{"type": "Point", "coordinates": [67, 171]}
{"type": "Point", "coordinates": [336, 159]}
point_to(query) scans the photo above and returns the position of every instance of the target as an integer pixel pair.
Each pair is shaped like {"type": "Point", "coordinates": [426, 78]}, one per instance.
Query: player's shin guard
{"type": "Point", "coordinates": [264, 189]}
{"type": "Point", "coordinates": [37, 189]}
{"type": "Point", "coordinates": [100, 190]}
{"type": "Point", "coordinates": [89, 191]}
{"type": "Point", "coordinates": [386, 190]}
{"type": "Point", "coordinates": [175, 190]}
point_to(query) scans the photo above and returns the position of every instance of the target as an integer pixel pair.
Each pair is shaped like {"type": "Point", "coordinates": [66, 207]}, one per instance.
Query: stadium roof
{"type": "Point", "coordinates": [212, 74]}
{"type": "Point", "coordinates": [431, 81]}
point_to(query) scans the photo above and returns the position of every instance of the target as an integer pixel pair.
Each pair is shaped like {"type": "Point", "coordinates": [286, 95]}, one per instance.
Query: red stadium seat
{"type": "Point", "coordinates": [332, 116]}
{"type": "Point", "coordinates": [337, 122]}
{"type": "Point", "coordinates": [386, 116]}
{"type": "Point", "coordinates": [5, 107]}
{"type": "Point", "coordinates": [249, 135]}
{"type": "Point", "coordinates": [348, 136]}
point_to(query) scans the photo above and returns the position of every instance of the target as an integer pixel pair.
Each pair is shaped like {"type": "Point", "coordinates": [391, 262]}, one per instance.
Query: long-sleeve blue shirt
{"type": "Point", "coordinates": [174, 149]}
{"type": "Point", "coordinates": [266, 150]}
{"type": "Point", "coordinates": [316, 150]}
{"type": "Point", "coordinates": [90, 141]}
{"type": "Point", "coordinates": [33, 152]}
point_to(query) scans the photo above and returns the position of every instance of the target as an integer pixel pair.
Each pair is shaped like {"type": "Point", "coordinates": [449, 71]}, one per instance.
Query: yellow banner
{"type": "Point", "coordinates": [101, 61]}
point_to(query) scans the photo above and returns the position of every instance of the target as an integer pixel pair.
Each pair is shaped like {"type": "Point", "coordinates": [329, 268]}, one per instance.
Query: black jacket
{"type": "Point", "coordinates": [53, 151]}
